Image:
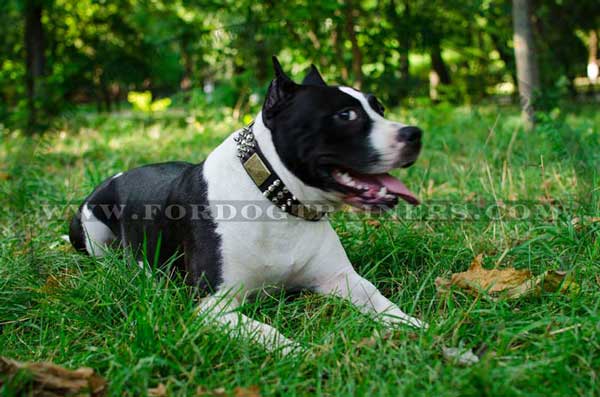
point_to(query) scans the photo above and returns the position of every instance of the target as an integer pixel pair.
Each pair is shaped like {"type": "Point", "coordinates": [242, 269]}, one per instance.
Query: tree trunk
{"type": "Point", "coordinates": [438, 64]}
{"type": "Point", "coordinates": [526, 60]}
{"type": "Point", "coordinates": [336, 42]}
{"type": "Point", "coordinates": [593, 46]}
{"type": "Point", "coordinates": [34, 53]}
{"type": "Point", "coordinates": [404, 61]}
{"type": "Point", "coordinates": [350, 13]}
{"type": "Point", "coordinates": [439, 71]}
{"type": "Point", "coordinates": [188, 66]}
{"type": "Point", "coordinates": [106, 96]}
{"type": "Point", "coordinates": [400, 23]}
{"type": "Point", "coordinates": [592, 67]}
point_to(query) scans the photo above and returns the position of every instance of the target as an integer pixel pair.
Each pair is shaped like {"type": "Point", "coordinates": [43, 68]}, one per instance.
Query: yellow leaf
{"type": "Point", "coordinates": [247, 119]}
{"type": "Point", "coordinates": [140, 100]}
{"type": "Point", "coordinates": [160, 105]}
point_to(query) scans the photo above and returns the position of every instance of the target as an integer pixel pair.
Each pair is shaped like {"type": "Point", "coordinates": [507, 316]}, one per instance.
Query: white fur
{"type": "Point", "coordinates": [291, 253]}
{"type": "Point", "coordinates": [97, 234]}
{"type": "Point", "coordinates": [220, 309]}
{"type": "Point", "coordinates": [383, 135]}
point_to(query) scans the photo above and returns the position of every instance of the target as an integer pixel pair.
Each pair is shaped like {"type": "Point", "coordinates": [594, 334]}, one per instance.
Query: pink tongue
{"type": "Point", "coordinates": [394, 185]}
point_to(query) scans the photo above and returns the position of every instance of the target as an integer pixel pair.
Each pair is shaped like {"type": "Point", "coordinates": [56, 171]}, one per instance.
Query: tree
{"type": "Point", "coordinates": [592, 68]}
{"type": "Point", "coordinates": [401, 24]}
{"type": "Point", "coordinates": [352, 11]}
{"type": "Point", "coordinates": [525, 56]}
{"type": "Point", "coordinates": [34, 49]}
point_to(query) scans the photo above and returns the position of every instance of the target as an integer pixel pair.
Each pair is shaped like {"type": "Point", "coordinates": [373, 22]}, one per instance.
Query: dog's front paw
{"type": "Point", "coordinates": [402, 318]}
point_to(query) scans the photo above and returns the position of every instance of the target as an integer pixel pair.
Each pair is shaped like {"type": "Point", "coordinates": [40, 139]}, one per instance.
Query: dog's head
{"type": "Point", "coordinates": [337, 139]}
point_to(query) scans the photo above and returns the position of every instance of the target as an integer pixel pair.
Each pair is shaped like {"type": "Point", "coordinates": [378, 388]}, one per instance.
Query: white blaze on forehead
{"type": "Point", "coordinates": [383, 133]}
{"type": "Point", "coordinates": [359, 96]}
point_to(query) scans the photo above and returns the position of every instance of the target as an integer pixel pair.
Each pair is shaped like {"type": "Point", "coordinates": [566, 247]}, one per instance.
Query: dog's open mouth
{"type": "Point", "coordinates": [373, 190]}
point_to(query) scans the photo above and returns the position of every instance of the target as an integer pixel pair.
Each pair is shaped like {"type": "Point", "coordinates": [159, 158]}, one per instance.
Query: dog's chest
{"type": "Point", "coordinates": [257, 253]}
{"type": "Point", "coordinates": [263, 253]}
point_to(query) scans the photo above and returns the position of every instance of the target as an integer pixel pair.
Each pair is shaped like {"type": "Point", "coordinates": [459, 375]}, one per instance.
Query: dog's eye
{"type": "Point", "coordinates": [347, 115]}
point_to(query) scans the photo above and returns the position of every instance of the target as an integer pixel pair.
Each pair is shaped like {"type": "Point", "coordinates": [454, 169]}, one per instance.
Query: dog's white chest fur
{"type": "Point", "coordinates": [256, 254]}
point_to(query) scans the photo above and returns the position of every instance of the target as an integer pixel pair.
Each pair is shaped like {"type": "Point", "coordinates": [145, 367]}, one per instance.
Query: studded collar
{"type": "Point", "coordinates": [268, 182]}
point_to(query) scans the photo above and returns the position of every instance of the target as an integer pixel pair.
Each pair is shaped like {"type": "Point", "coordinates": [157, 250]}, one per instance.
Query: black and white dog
{"type": "Point", "coordinates": [311, 143]}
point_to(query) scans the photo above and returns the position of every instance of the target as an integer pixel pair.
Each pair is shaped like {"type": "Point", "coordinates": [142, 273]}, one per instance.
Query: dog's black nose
{"type": "Point", "coordinates": [410, 134]}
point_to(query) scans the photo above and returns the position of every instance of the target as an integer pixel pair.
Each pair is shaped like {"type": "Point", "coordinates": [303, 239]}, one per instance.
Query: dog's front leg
{"type": "Point", "coordinates": [350, 285]}
{"type": "Point", "coordinates": [220, 308]}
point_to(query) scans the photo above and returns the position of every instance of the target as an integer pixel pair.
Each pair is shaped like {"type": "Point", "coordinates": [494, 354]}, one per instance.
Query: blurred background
{"type": "Point", "coordinates": [60, 56]}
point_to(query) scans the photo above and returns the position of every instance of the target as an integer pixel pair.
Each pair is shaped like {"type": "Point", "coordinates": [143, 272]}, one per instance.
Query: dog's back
{"type": "Point", "coordinates": [126, 209]}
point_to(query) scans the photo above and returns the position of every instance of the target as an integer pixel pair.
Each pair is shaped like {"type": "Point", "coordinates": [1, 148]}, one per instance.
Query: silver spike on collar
{"type": "Point", "coordinates": [245, 141]}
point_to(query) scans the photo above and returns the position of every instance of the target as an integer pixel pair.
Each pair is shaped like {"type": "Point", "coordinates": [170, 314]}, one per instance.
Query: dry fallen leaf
{"type": "Point", "coordinates": [509, 282]}
{"type": "Point", "coordinates": [55, 282]}
{"type": "Point", "coordinates": [478, 279]}
{"type": "Point", "coordinates": [387, 335]}
{"type": "Point", "coordinates": [366, 342]}
{"type": "Point", "coordinates": [218, 392]}
{"type": "Point", "coordinates": [158, 391]}
{"type": "Point", "coordinates": [460, 357]}
{"type": "Point", "coordinates": [374, 222]}
{"type": "Point", "coordinates": [578, 222]}
{"type": "Point", "coordinates": [47, 379]}
{"type": "Point", "coordinates": [52, 284]}
{"type": "Point", "coordinates": [250, 391]}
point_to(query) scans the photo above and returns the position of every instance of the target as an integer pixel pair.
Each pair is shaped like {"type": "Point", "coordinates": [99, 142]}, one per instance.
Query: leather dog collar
{"type": "Point", "coordinates": [268, 182]}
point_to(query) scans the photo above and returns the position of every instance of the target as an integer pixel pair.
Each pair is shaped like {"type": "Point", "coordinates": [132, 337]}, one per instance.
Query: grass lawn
{"type": "Point", "coordinates": [139, 331]}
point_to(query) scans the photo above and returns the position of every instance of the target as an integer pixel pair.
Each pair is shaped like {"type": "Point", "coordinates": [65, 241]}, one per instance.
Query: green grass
{"type": "Point", "coordinates": [138, 331]}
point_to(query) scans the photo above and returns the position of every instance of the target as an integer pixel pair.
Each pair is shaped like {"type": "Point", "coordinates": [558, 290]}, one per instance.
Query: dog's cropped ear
{"type": "Point", "coordinates": [280, 91]}
{"type": "Point", "coordinates": [313, 77]}
{"type": "Point", "coordinates": [279, 73]}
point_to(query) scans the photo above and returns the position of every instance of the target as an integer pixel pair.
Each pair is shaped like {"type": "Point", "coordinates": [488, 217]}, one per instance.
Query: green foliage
{"type": "Point", "coordinates": [97, 51]}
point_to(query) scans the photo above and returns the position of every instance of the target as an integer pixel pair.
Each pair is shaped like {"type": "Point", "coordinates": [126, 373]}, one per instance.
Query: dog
{"type": "Point", "coordinates": [311, 148]}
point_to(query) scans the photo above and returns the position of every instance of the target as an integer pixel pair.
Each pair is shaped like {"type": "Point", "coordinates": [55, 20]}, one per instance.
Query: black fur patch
{"type": "Point", "coordinates": [160, 212]}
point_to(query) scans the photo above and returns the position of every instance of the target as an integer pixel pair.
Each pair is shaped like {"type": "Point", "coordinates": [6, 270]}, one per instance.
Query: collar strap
{"type": "Point", "coordinates": [265, 178]}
